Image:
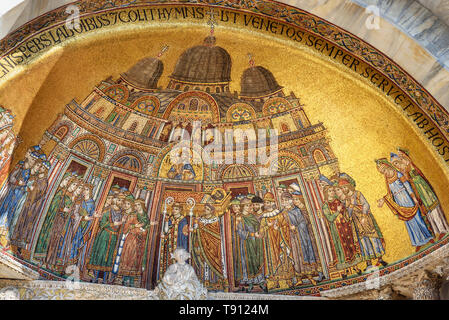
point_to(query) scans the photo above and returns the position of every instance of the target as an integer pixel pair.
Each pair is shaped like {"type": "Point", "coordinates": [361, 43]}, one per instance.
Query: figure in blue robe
{"type": "Point", "coordinates": [401, 194]}
{"type": "Point", "coordinates": [182, 240]}
{"type": "Point", "coordinates": [298, 220]}
{"type": "Point", "coordinates": [18, 180]}
{"type": "Point", "coordinates": [81, 233]}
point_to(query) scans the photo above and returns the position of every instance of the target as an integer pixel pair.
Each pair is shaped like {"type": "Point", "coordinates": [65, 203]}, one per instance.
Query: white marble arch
{"type": "Point", "coordinates": [413, 33]}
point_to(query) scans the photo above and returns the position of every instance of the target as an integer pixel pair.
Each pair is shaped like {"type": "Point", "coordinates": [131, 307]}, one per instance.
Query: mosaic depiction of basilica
{"type": "Point", "coordinates": [108, 198]}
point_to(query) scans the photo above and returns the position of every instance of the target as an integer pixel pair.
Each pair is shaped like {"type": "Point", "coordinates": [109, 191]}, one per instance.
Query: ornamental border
{"type": "Point", "coordinates": [306, 22]}
{"type": "Point", "coordinates": [271, 9]}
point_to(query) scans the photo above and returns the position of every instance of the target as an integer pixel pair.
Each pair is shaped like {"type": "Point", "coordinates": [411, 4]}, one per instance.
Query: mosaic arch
{"type": "Point", "coordinates": [359, 183]}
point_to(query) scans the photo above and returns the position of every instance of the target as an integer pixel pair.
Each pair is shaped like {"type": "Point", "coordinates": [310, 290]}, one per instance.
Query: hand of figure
{"type": "Point", "coordinates": [191, 229]}
{"type": "Point", "coordinates": [292, 228]}
{"type": "Point", "coordinates": [66, 209]}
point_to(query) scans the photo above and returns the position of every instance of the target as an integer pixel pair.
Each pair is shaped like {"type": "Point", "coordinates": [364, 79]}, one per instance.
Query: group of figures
{"type": "Point", "coordinates": [261, 242]}
{"type": "Point", "coordinates": [23, 196]}
{"type": "Point", "coordinates": [118, 248]}
{"type": "Point", "coordinates": [355, 234]}
{"type": "Point", "coordinates": [202, 237]}
{"type": "Point", "coordinates": [412, 199]}
{"type": "Point", "coordinates": [116, 234]}
{"type": "Point", "coordinates": [273, 245]}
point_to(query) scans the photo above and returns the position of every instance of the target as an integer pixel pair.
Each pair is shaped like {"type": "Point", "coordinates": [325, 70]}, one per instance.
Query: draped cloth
{"type": "Point", "coordinates": [207, 250]}
{"type": "Point", "coordinates": [45, 232]}
{"type": "Point", "coordinates": [401, 203]}
{"type": "Point", "coordinates": [278, 260]}
{"type": "Point", "coordinates": [105, 244]}
{"type": "Point", "coordinates": [249, 259]}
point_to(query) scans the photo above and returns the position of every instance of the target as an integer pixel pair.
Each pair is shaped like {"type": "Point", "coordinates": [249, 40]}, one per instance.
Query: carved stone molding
{"type": "Point", "coordinates": [401, 280]}
{"type": "Point", "coordinates": [58, 290]}
{"type": "Point", "coordinates": [427, 286]}
{"type": "Point", "coordinates": [11, 269]}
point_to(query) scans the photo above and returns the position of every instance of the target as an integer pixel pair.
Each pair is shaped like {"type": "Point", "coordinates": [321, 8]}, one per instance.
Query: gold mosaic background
{"type": "Point", "coordinates": [363, 124]}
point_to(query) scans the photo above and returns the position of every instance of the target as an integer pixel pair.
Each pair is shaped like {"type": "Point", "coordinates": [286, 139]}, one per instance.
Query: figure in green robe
{"type": "Point", "coordinates": [104, 247]}
{"type": "Point", "coordinates": [44, 235]}
{"type": "Point", "coordinates": [249, 259]}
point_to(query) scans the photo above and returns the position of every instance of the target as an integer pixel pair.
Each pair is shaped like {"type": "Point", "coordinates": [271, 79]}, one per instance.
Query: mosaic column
{"type": "Point", "coordinates": [427, 286]}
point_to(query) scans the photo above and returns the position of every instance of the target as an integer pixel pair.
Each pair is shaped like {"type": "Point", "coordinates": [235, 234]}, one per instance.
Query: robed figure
{"type": "Point", "coordinates": [44, 235]}
{"type": "Point", "coordinates": [61, 217]}
{"type": "Point", "coordinates": [403, 203]}
{"type": "Point", "coordinates": [305, 256]}
{"type": "Point", "coordinates": [24, 228]}
{"type": "Point", "coordinates": [207, 253]}
{"type": "Point", "coordinates": [346, 249]}
{"type": "Point", "coordinates": [176, 233]}
{"type": "Point", "coordinates": [82, 227]}
{"type": "Point", "coordinates": [249, 257]}
{"type": "Point", "coordinates": [365, 228]}
{"type": "Point", "coordinates": [18, 180]}
{"type": "Point", "coordinates": [104, 246]}
{"type": "Point", "coordinates": [133, 234]}
{"type": "Point", "coordinates": [275, 231]}
{"type": "Point", "coordinates": [427, 198]}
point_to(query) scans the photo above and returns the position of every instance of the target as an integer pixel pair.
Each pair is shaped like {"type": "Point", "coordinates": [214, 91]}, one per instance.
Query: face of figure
{"type": "Point", "coordinates": [127, 205]}
{"type": "Point", "coordinates": [287, 203]}
{"type": "Point", "coordinates": [72, 186]}
{"type": "Point", "coordinates": [31, 161]}
{"type": "Point", "coordinates": [86, 192]}
{"type": "Point", "coordinates": [257, 207]}
{"type": "Point", "coordinates": [65, 182]}
{"type": "Point", "coordinates": [208, 211]}
{"type": "Point", "coordinates": [385, 170]}
{"type": "Point", "coordinates": [323, 184]}
{"type": "Point", "coordinates": [235, 208]}
{"type": "Point", "coordinates": [400, 164]}
{"type": "Point", "coordinates": [36, 168]}
{"type": "Point", "coordinates": [298, 203]}
{"type": "Point", "coordinates": [176, 211]}
{"type": "Point", "coordinates": [330, 194]}
{"type": "Point", "coordinates": [340, 194]}
{"type": "Point", "coordinates": [246, 208]}
{"type": "Point", "coordinates": [347, 190]}
{"type": "Point", "coordinates": [108, 202]}
{"type": "Point", "coordinates": [118, 201]}
{"type": "Point", "coordinates": [139, 207]}
{"type": "Point", "coordinates": [268, 205]}
{"type": "Point", "coordinates": [78, 190]}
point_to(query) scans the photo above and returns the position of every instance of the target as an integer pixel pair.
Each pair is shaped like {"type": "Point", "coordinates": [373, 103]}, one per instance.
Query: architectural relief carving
{"type": "Point", "coordinates": [427, 286]}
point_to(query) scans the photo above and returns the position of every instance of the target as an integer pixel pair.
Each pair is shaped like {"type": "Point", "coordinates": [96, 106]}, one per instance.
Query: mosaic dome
{"type": "Point", "coordinates": [258, 82]}
{"type": "Point", "coordinates": [145, 74]}
{"type": "Point", "coordinates": [206, 63]}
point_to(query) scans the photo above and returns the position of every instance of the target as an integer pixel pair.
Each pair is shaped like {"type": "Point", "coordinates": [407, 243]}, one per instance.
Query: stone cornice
{"type": "Point", "coordinates": [12, 269]}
